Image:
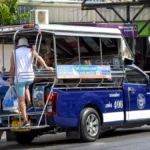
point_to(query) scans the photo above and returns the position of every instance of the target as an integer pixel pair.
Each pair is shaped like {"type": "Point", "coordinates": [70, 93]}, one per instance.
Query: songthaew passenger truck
{"type": "Point", "coordinates": [95, 86]}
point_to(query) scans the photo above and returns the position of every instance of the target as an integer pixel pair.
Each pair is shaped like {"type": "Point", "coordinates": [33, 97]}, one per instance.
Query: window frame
{"type": "Point", "coordinates": [139, 71]}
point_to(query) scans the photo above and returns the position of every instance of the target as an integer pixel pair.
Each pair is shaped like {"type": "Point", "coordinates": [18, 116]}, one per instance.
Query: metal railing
{"type": "Point", "coordinates": [117, 78]}
{"type": "Point", "coordinates": [8, 117]}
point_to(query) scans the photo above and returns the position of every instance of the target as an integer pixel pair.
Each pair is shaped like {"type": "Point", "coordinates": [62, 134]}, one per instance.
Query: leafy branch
{"type": "Point", "coordinates": [9, 13]}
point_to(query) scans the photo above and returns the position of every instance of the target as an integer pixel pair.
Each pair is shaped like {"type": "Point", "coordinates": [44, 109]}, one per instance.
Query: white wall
{"type": "Point", "coordinates": [73, 13]}
{"type": "Point", "coordinates": [7, 54]}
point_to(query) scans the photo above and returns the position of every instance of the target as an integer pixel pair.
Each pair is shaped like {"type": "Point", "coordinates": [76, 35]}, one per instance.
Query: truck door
{"type": "Point", "coordinates": [137, 104]}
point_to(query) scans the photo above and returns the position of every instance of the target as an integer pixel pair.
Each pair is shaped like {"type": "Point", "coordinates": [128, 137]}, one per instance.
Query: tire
{"type": "Point", "coordinates": [89, 132]}
{"type": "Point", "coordinates": [24, 138]}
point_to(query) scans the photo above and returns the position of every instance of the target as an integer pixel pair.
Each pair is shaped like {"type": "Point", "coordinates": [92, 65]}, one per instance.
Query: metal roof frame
{"type": "Point", "coordinates": [113, 5]}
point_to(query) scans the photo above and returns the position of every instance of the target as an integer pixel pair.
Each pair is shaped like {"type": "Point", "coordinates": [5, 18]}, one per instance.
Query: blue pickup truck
{"type": "Point", "coordinates": [95, 86]}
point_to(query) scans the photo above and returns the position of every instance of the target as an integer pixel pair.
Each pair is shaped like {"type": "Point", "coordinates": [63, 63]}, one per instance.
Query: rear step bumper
{"type": "Point", "coordinates": [7, 118]}
{"type": "Point", "coordinates": [22, 129]}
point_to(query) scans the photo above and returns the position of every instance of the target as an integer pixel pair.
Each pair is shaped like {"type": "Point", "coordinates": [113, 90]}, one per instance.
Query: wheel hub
{"type": "Point", "coordinates": [92, 125]}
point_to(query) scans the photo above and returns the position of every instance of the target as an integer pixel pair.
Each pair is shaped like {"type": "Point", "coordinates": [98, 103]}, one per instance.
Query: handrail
{"type": "Point", "coordinates": [51, 90]}
{"type": "Point", "coordinates": [147, 71]}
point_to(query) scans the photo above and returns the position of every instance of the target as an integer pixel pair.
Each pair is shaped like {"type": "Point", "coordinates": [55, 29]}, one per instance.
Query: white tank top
{"type": "Point", "coordinates": [23, 65]}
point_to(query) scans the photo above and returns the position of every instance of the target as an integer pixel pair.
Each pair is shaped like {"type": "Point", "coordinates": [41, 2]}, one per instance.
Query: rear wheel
{"type": "Point", "coordinates": [24, 137]}
{"type": "Point", "coordinates": [90, 125]}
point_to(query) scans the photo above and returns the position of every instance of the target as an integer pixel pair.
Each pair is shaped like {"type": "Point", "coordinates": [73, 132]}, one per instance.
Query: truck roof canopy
{"type": "Point", "coordinates": [55, 28]}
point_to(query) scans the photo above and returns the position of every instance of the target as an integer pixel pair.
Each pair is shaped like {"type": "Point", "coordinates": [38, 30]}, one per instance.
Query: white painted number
{"type": "Point", "coordinates": [118, 104]}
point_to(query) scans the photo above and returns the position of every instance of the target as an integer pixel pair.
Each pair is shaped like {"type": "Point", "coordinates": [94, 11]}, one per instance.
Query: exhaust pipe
{"type": "Point", "coordinates": [58, 129]}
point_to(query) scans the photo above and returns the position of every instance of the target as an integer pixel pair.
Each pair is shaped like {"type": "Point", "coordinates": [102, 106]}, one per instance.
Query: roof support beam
{"type": "Point", "coordinates": [64, 50]}
{"type": "Point", "coordinates": [89, 5]}
{"type": "Point", "coordinates": [88, 48]}
{"type": "Point", "coordinates": [101, 16]}
{"type": "Point", "coordinates": [128, 14]}
{"type": "Point", "coordinates": [138, 13]}
{"type": "Point", "coordinates": [114, 10]}
{"type": "Point", "coordinates": [111, 5]}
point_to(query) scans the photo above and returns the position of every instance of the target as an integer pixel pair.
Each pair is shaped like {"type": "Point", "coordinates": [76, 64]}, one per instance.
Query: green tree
{"type": "Point", "coordinates": [9, 13]}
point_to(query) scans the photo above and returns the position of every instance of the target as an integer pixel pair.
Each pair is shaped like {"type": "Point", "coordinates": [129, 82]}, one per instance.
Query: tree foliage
{"type": "Point", "coordinates": [9, 13]}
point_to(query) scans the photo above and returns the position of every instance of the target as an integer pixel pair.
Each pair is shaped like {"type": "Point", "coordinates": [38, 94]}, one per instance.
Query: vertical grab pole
{"type": "Point", "coordinates": [78, 40]}
{"type": "Point", "coordinates": [39, 47]}
{"type": "Point", "coordinates": [55, 56]}
{"type": "Point", "coordinates": [35, 44]}
{"type": "Point", "coordinates": [55, 53]}
{"type": "Point", "coordinates": [16, 75]}
{"type": "Point", "coordinates": [100, 47]}
{"type": "Point", "coordinates": [101, 57]}
{"type": "Point", "coordinates": [47, 101]}
{"type": "Point", "coordinates": [79, 55]}
{"type": "Point", "coordinates": [3, 55]}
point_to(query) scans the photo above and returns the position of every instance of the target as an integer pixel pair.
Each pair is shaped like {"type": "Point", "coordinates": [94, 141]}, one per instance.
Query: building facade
{"type": "Point", "coordinates": [69, 11]}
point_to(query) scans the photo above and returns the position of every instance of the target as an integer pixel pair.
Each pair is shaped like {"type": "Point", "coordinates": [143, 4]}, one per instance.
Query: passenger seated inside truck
{"type": "Point", "coordinates": [39, 69]}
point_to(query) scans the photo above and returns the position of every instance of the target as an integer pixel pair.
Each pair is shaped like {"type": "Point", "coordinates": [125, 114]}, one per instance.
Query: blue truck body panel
{"type": "Point", "coordinates": [137, 103]}
{"type": "Point", "coordinates": [70, 104]}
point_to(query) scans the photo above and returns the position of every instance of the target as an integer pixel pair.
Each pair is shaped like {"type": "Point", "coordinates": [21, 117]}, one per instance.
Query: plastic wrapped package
{"type": "Point", "coordinates": [10, 101]}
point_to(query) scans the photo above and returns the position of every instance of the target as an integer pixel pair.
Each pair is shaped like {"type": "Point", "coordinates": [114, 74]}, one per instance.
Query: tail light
{"type": "Point", "coordinates": [29, 26]}
{"type": "Point", "coordinates": [52, 103]}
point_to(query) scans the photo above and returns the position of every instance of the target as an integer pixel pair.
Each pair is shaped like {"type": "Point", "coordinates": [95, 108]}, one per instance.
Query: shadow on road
{"type": "Point", "coordinates": [41, 143]}
{"type": "Point", "coordinates": [124, 132]}
{"type": "Point", "coordinates": [60, 141]}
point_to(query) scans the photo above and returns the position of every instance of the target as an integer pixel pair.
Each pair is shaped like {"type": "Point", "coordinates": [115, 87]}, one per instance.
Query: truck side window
{"type": "Point", "coordinates": [135, 76]}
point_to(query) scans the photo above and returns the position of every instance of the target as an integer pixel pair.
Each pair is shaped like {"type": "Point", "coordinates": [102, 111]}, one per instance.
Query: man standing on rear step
{"type": "Point", "coordinates": [22, 74]}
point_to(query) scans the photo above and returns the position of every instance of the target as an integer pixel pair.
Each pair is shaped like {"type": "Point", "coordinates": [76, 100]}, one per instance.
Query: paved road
{"type": "Point", "coordinates": [133, 139]}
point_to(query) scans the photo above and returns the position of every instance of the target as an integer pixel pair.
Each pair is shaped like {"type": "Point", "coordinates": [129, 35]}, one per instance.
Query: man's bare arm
{"type": "Point", "coordinates": [40, 59]}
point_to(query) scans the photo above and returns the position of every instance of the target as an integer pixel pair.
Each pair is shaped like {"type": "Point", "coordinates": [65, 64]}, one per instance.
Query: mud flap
{"type": "Point", "coordinates": [73, 133]}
